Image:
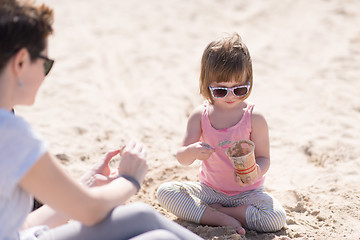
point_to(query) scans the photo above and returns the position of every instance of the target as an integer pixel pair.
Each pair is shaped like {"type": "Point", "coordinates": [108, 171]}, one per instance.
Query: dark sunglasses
{"type": "Point", "coordinates": [221, 92]}
{"type": "Point", "coordinates": [47, 64]}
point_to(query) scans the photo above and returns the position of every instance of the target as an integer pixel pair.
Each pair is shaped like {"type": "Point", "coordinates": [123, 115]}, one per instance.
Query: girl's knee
{"type": "Point", "coordinates": [267, 221]}
{"type": "Point", "coordinates": [168, 186]}
{"type": "Point", "coordinates": [278, 218]}
{"type": "Point", "coordinates": [165, 190]}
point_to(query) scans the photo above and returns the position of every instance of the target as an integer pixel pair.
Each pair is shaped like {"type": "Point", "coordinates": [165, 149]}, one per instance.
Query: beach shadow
{"type": "Point", "coordinates": [227, 233]}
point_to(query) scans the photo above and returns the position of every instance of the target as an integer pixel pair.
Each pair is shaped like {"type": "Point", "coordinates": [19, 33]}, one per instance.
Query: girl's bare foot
{"type": "Point", "coordinates": [238, 212]}
{"type": "Point", "coordinates": [240, 230]}
{"type": "Point", "coordinates": [214, 217]}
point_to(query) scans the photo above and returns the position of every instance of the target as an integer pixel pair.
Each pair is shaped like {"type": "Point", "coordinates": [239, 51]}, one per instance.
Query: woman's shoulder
{"type": "Point", "coordinates": [15, 128]}
{"type": "Point", "coordinates": [8, 120]}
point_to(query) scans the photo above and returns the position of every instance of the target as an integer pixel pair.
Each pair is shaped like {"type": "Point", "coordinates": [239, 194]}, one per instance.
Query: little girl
{"type": "Point", "coordinates": [220, 198]}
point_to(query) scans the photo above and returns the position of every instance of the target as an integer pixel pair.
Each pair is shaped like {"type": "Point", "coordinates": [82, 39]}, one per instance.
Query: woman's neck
{"type": "Point", "coordinates": [5, 94]}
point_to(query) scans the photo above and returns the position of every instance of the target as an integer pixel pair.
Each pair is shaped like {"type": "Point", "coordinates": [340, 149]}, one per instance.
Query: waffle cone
{"type": "Point", "coordinates": [242, 157]}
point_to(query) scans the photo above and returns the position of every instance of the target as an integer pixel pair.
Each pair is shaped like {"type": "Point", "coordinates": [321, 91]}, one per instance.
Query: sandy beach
{"type": "Point", "coordinates": [129, 70]}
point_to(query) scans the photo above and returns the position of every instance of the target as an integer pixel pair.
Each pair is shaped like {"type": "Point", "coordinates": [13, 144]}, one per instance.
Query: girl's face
{"type": "Point", "coordinates": [231, 100]}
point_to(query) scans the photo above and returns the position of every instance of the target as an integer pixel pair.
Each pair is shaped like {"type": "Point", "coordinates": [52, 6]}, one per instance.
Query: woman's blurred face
{"type": "Point", "coordinates": [32, 77]}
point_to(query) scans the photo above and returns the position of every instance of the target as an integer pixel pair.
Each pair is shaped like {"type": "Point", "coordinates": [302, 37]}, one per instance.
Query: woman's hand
{"type": "Point", "coordinates": [101, 173]}
{"type": "Point", "coordinates": [202, 151]}
{"type": "Point", "coordinates": [133, 161]}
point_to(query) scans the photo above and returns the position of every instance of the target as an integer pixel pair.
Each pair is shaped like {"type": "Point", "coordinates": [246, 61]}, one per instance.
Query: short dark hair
{"type": "Point", "coordinates": [23, 25]}
{"type": "Point", "coordinates": [223, 60]}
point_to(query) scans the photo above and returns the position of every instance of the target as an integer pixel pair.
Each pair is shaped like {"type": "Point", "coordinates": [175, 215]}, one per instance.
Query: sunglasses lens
{"type": "Point", "coordinates": [47, 66]}
{"type": "Point", "coordinates": [219, 93]}
{"type": "Point", "coordinates": [241, 91]}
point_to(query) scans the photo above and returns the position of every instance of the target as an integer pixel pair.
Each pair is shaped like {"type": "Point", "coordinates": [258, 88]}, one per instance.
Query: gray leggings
{"type": "Point", "coordinates": [134, 221]}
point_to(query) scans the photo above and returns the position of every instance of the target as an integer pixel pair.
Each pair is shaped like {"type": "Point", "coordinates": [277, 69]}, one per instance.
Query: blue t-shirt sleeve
{"type": "Point", "coordinates": [20, 147]}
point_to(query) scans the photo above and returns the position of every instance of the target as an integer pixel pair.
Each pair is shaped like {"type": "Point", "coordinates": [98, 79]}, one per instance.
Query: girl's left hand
{"type": "Point", "coordinates": [101, 173]}
{"type": "Point", "coordinates": [249, 180]}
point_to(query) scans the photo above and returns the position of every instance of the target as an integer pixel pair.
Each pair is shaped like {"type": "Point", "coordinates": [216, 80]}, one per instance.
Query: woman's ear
{"type": "Point", "coordinates": [21, 58]}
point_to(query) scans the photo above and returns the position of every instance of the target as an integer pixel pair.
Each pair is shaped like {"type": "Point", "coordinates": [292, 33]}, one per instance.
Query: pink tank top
{"type": "Point", "coordinates": [217, 171]}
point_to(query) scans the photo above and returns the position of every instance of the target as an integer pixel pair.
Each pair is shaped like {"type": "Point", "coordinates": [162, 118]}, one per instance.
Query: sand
{"type": "Point", "coordinates": [129, 70]}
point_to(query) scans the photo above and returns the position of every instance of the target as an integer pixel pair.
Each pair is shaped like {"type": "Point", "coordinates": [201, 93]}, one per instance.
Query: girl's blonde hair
{"type": "Point", "coordinates": [223, 60]}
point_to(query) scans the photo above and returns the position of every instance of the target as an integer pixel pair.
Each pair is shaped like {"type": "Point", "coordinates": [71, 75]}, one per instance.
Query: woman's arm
{"type": "Point", "coordinates": [47, 181]}
{"type": "Point", "coordinates": [99, 174]}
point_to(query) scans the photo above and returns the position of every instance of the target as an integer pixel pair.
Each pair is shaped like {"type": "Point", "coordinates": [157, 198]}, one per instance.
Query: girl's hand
{"type": "Point", "coordinates": [202, 151]}
{"type": "Point", "coordinates": [101, 174]}
{"type": "Point", "coordinates": [249, 180]}
{"type": "Point", "coordinates": [133, 161]}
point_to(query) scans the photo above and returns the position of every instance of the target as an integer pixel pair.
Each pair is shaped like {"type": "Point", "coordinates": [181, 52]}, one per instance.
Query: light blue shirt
{"type": "Point", "coordinates": [20, 147]}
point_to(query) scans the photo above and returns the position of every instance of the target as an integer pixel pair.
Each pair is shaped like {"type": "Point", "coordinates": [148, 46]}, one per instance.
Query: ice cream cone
{"type": "Point", "coordinates": [241, 154]}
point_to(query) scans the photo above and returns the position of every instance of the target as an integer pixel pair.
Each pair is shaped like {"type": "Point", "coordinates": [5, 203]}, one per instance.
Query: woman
{"type": "Point", "coordinates": [27, 168]}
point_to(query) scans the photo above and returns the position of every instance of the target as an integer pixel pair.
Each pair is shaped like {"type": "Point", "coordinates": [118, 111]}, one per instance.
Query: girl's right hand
{"type": "Point", "coordinates": [133, 161]}
{"type": "Point", "coordinates": [202, 150]}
